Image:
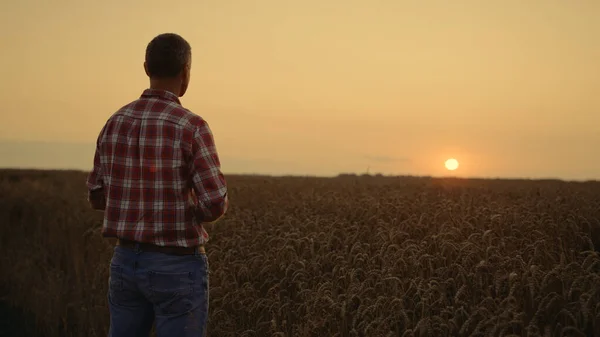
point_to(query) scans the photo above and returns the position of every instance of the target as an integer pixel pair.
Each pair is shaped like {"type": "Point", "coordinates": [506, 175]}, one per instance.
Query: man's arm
{"type": "Point", "coordinates": [209, 182]}
{"type": "Point", "coordinates": [97, 199]}
{"type": "Point", "coordinates": [95, 183]}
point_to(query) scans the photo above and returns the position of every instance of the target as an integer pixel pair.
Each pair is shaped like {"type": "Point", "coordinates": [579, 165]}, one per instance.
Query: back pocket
{"type": "Point", "coordinates": [115, 279]}
{"type": "Point", "coordinates": [171, 293]}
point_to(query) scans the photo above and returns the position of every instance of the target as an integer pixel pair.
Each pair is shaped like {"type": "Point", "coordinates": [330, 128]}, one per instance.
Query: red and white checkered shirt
{"type": "Point", "coordinates": [158, 167]}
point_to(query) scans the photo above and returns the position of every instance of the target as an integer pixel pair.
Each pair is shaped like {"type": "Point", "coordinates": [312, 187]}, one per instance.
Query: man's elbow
{"type": "Point", "coordinates": [97, 200]}
{"type": "Point", "coordinates": [218, 210]}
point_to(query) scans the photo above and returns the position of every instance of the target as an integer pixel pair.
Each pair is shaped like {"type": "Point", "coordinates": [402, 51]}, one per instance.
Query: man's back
{"type": "Point", "coordinates": [157, 177]}
{"type": "Point", "coordinates": [153, 157]}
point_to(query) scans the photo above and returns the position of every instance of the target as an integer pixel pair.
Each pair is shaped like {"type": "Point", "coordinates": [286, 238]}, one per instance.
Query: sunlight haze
{"type": "Point", "coordinates": [508, 88]}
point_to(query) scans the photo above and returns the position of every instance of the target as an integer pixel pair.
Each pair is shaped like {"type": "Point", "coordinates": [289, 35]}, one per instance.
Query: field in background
{"type": "Point", "coordinates": [346, 256]}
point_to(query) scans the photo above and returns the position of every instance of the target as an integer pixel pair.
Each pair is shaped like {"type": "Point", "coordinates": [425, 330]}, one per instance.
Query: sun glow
{"type": "Point", "coordinates": [451, 164]}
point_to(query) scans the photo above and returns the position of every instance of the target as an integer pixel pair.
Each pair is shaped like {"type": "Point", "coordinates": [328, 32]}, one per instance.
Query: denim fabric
{"type": "Point", "coordinates": [147, 288]}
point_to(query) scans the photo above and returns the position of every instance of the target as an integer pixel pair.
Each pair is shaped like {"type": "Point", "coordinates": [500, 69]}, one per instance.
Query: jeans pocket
{"type": "Point", "coordinates": [172, 292]}
{"type": "Point", "coordinates": [115, 279]}
{"type": "Point", "coordinates": [121, 291]}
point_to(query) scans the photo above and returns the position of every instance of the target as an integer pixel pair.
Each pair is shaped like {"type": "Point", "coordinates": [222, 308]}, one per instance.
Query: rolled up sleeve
{"type": "Point", "coordinates": [95, 180]}
{"type": "Point", "coordinates": [209, 182]}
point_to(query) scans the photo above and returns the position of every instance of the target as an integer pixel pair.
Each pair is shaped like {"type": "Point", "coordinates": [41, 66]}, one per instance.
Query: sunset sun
{"type": "Point", "coordinates": [451, 164]}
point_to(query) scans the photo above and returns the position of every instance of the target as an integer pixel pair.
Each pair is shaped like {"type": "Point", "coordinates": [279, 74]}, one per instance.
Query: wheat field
{"type": "Point", "coordinates": [345, 256]}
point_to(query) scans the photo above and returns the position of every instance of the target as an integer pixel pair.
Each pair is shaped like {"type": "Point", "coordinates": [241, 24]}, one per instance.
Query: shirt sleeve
{"type": "Point", "coordinates": [209, 182]}
{"type": "Point", "coordinates": [95, 178]}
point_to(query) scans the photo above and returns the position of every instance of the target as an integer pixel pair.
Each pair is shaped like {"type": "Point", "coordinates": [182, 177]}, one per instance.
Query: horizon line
{"type": "Point", "coordinates": [339, 175]}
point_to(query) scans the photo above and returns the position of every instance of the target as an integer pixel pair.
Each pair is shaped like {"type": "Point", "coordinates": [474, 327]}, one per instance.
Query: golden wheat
{"type": "Point", "coordinates": [346, 256]}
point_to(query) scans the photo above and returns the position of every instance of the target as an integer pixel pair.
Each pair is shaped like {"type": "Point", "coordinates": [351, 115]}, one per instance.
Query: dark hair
{"type": "Point", "coordinates": [166, 55]}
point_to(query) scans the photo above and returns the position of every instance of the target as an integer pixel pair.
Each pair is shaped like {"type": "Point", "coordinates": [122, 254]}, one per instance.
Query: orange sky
{"type": "Point", "coordinates": [509, 88]}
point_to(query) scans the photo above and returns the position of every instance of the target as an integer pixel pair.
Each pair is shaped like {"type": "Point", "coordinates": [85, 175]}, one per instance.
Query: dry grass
{"type": "Point", "coordinates": [350, 256]}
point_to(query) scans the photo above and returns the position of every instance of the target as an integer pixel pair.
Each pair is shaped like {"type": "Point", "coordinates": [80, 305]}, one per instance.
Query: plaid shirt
{"type": "Point", "coordinates": [157, 166]}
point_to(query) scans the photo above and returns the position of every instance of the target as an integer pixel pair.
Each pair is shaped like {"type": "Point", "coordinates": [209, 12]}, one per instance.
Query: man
{"type": "Point", "coordinates": [157, 178]}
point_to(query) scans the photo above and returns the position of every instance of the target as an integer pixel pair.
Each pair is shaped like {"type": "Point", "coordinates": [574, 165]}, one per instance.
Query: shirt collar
{"type": "Point", "coordinates": [164, 94]}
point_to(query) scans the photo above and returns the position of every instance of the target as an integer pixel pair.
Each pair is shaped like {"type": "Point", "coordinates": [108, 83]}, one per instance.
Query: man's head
{"type": "Point", "coordinates": [168, 63]}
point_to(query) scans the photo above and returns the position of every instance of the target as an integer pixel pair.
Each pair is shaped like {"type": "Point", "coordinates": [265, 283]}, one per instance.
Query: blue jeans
{"type": "Point", "coordinates": [147, 288]}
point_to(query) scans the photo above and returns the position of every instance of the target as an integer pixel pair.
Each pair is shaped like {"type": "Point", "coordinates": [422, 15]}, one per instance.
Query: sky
{"type": "Point", "coordinates": [509, 88]}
